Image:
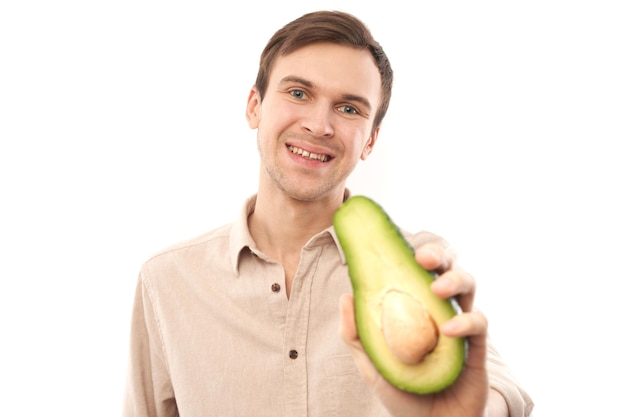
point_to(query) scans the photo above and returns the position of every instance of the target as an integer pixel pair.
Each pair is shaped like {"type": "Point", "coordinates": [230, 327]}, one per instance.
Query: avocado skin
{"type": "Point", "coordinates": [380, 260]}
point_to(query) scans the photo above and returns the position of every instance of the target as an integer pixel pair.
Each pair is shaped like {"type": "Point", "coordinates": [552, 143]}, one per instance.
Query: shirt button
{"type": "Point", "coordinates": [293, 354]}
{"type": "Point", "coordinates": [275, 287]}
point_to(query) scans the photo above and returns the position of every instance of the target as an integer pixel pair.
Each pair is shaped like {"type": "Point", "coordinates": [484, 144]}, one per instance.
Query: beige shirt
{"type": "Point", "coordinates": [214, 334]}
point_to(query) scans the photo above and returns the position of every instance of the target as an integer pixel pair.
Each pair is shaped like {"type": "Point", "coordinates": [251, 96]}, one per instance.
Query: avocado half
{"type": "Point", "coordinates": [397, 315]}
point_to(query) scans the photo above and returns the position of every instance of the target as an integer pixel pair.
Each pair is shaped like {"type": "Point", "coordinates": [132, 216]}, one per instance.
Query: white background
{"type": "Point", "coordinates": [122, 131]}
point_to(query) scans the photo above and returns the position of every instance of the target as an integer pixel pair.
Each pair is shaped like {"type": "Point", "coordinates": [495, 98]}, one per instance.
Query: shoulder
{"type": "Point", "coordinates": [208, 242]}
{"type": "Point", "coordinates": [421, 238]}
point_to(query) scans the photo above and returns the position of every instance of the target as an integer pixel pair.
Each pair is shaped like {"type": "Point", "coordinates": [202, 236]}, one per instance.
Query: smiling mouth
{"type": "Point", "coordinates": [309, 155]}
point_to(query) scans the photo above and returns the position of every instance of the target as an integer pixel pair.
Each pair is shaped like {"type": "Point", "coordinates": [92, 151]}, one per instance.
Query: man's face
{"type": "Point", "coordinates": [315, 121]}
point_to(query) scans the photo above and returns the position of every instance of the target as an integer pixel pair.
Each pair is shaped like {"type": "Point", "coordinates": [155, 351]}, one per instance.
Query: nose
{"type": "Point", "coordinates": [318, 120]}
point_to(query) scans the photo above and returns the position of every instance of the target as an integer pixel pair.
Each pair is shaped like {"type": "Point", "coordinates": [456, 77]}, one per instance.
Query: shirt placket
{"type": "Point", "coordinates": [296, 331]}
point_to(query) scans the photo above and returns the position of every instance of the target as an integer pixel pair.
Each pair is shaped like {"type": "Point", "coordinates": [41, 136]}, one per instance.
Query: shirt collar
{"type": "Point", "coordinates": [241, 239]}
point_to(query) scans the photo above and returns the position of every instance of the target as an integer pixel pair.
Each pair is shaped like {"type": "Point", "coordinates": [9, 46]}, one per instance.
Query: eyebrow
{"type": "Point", "coordinates": [349, 97]}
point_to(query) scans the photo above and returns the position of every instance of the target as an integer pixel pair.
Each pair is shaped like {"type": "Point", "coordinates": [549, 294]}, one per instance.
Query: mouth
{"type": "Point", "coordinates": [309, 155]}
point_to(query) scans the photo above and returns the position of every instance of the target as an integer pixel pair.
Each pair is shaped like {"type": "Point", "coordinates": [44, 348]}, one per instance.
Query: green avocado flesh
{"type": "Point", "coordinates": [382, 263]}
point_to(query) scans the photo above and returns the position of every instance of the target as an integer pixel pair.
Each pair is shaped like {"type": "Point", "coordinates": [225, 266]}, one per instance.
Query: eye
{"type": "Point", "coordinates": [348, 109]}
{"type": "Point", "coordinates": [299, 94]}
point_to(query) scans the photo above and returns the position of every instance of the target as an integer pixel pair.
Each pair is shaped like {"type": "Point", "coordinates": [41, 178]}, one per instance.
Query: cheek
{"type": "Point", "coordinates": [357, 151]}
{"type": "Point", "coordinates": [273, 116]}
{"type": "Point", "coordinates": [362, 143]}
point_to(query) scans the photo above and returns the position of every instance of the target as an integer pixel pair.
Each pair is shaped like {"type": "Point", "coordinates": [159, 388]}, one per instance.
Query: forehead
{"type": "Point", "coordinates": [333, 68]}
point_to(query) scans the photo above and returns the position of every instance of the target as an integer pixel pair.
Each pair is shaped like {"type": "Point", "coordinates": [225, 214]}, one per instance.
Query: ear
{"type": "Point", "coordinates": [253, 108]}
{"type": "Point", "coordinates": [369, 146]}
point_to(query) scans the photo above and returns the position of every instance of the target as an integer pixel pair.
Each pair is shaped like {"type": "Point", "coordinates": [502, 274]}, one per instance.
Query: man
{"type": "Point", "coordinates": [255, 318]}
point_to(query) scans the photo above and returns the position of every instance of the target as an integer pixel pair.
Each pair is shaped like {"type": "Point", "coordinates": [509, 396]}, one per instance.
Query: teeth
{"type": "Point", "coordinates": [309, 155]}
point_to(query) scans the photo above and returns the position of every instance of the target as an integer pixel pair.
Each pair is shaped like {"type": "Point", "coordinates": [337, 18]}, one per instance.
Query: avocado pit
{"type": "Point", "coordinates": [407, 327]}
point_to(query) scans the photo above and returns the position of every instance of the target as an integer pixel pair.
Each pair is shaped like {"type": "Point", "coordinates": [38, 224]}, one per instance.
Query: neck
{"type": "Point", "coordinates": [281, 224]}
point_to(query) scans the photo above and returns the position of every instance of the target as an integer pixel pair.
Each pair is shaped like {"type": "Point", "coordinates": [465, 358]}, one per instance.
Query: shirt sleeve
{"type": "Point", "coordinates": [149, 391]}
{"type": "Point", "coordinates": [502, 380]}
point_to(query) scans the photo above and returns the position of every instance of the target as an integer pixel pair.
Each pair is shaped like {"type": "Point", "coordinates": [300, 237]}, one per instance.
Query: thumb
{"type": "Point", "coordinates": [347, 325]}
{"type": "Point", "coordinates": [349, 334]}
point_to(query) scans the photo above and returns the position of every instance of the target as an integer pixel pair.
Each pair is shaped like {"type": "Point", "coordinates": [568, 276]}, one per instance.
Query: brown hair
{"type": "Point", "coordinates": [327, 26]}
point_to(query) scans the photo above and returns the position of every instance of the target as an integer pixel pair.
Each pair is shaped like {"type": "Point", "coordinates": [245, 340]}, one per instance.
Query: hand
{"type": "Point", "coordinates": [468, 396]}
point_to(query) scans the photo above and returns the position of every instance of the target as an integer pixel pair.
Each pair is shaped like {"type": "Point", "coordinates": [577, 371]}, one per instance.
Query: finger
{"type": "Point", "coordinates": [474, 327]}
{"type": "Point", "coordinates": [456, 283]}
{"type": "Point", "coordinates": [465, 325]}
{"type": "Point", "coordinates": [435, 257]}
